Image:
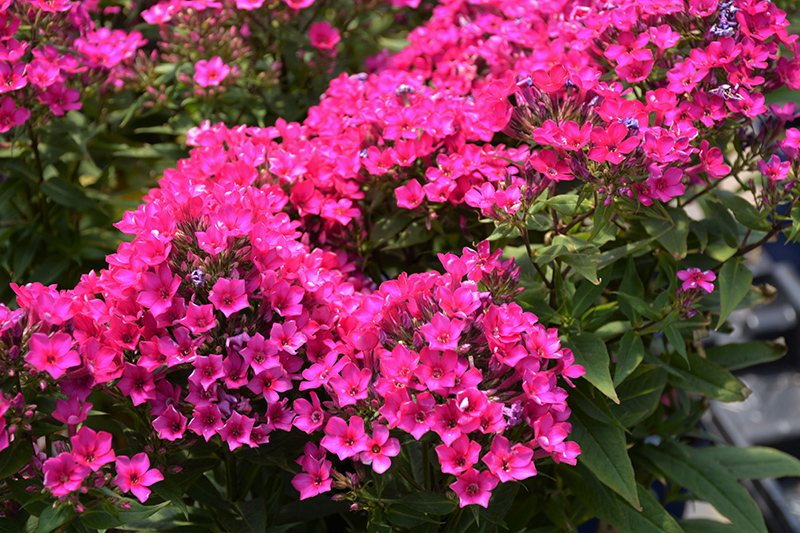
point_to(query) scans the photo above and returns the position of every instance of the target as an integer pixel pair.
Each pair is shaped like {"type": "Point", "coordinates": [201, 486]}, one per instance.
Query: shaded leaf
{"type": "Point", "coordinates": [631, 353]}
{"type": "Point", "coordinates": [672, 233]}
{"type": "Point", "coordinates": [743, 355]}
{"type": "Point", "coordinates": [709, 481]}
{"type": "Point", "coordinates": [590, 352]}
{"type": "Point", "coordinates": [734, 284]}
{"type": "Point", "coordinates": [15, 457]}
{"type": "Point", "coordinates": [707, 378]}
{"type": "Point", "coordinates": [757, 462]}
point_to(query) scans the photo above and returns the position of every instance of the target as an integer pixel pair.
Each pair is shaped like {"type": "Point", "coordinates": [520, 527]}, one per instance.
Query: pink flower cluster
{"type": "Point", "coordinates": [449, 354]}
{"type": "Point", "coordinates": [69, 51]}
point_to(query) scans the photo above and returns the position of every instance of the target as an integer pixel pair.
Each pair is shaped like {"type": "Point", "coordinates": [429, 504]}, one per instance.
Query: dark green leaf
{"type": "Point", "coordinates": [676, 340]}
{"type": "Point", "coordinates": [709, 481]}
{"type": "Point", "coordinates": [587, 293]}
{"type": "Point", "coordinates": [631, 285]}
{"type": "Point", "coordinates": [631, 353]}
{"type": "Point", "coordinates": [707, 378]}
{"type": "Point", "coordinates": [64, 193]}
{"type": "Point", "coordinates": [708, 526]}
{"type": "Point", "coordinates": [640, 394]}
{"type": "Point", "coordinates": [639, 305]}
{"type": "Point", "coordinates": [672, 233]}
{"type": "Point", "coordinates": [584, 263]}
{"type": "Point", "coordinates": [590, 352]}
{"type": "Point", "coordinates": [9, 525]}
{"type": "Point", "coordinates": [430, 502]}
{"type": "Point", "coordinates": [567, 204]}
{"type": "Point", "coordinates": [15, 457]}
{"type": "Point", "coordinates": [726, 223]}
{"type": "Point", "coordinates": [753, 463]}
{"type": "Point", "coordinates": [737, 356]}
{"type": "Point", "coordinates": [407, 516]}
{"type": "Point", "coordinates": [744, 211]}
{"type": "Point", "coordinates": [734, 284]}
{"type": "Point", "coordinates": [54, 517]}
{"type": "Point", "coordinates": [254, 515]}
{"type": "Point", "coordinates": [604, 452]}
{"type": "Point", "coordinates": [387, 227]}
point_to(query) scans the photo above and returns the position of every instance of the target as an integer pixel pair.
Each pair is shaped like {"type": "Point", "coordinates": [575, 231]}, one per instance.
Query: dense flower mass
{"type": "Point", "coordinates": [240, 307]}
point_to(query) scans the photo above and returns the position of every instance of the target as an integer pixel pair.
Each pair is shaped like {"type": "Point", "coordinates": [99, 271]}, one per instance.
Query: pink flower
{"type": "Point", "coordinates": [509, 463]}
{"type": "Point", "coordinates": [611, 143]}
{"type": "Point", "coordinates": [548, 163]}
{"type": "Point", "coordinates": [315, 479]}
{"type": "Point", "coordinates": [774, 169]}
{"type": "Point", "coordinates": [70, 412]}
{"type": "Point", "coordinates": [229, 296]}
{"type": "Point", "coordinates": [474, 487]}
{"type": "Point", "coordinates": [170, 425]}
{"type": "Point", "coordinates": [11, 115]}
{"type": "Point", "coordinates": [199, 318]}
{"type": "Point", "coordinates": [415, 418]}
{"type": "Point", "coordinates": [344, 440]}
{"type": "Point", "coordinates": [442, 333]}
{"type": "Point", "coordinates": [310, 415]}
{"type": "Point", "coordinates": [137, 382]}
{"type": "Point", "coordinates": [665, 186]}
{"type": "Point", "coordinates": [694, 277]}
{"type": "Point", "coordinates": [159, 288]}
{"type": "Point", "coordinates": [353, 385]}
{"type": "Point", "coordinates": [135, 475]}
{"type": "Point", "coordinates": [52, 354]}
{"type": "Point", "coordinates": [323, 36]}
{"type": "Point", "coordinates": [236, 430]}
{"type": "Point", "coordinates": [206, 421]}
{"type": "Point", "coordinates": [379, 448]}
{"type": "Point", "coordinates": [461, 455]}
{"type": "Point", "coordinates": [209, 73]}
{"type": "Point", "coordinates": [92, 449]}
{"type": "Point", "coordinates": [62, 475]}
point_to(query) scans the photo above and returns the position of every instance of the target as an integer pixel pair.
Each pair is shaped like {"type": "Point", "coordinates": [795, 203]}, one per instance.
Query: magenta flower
{"type": "Point", "coordinates": [323, 36]}
{"type": "Point", "coordinates": [170, 425]}
{"type": "Point", "coordinates": [474, 487]}
{"type": "Point", "coordinates": [236, 430]}
{"type": "Point", "coordinates": [209, 73]}
{"type": "Point", "coordinates": [458, 457]}
{"type": "Point", "coordinates": [353, 385]}
{"type": "Point", "coordinates": [315, 479]}
{"type": "Point", "coordinates": [62, 475]}
{"type": "Point", "coordinates": [206, 421]}
{"type": "Point", "coordinates": [694, 277]}
{"type": "Point", "coordinates": [379, 448]}
{"type": "Point", "coordinates": [137, 382]}
{"type": "Point", "coordinates": [344, 440]}
{"type": "Point", "coordinates": [52, 354]}
{"type": "Point", "coordinates": [91, 448]}
{"type": "Point", "coordinates": [135, 475]}
{"type": "Point", "coordinates": [442, 333]}
{"type": "Point", "coordinates": [774, 169]}
{"type": "Point", "coordinates": [199, 318]}
{"type": "Point", "coordinates": [509, 463]}
{"type": "Point", "coordinates": [159, 288]}
{"type": "Point", "coordinates": [11, 115]}
{"type": "Point", "coordinates": [611, 143]}
{"type": "Point", "coordinates": [310, 415]}
{"type": "Point", "coordinates": [416, 418]}
{"type": "Point", "coordinates": [229, 296]}
{"type": "Point", "coordinates": [70, 411]}
{"type": "Point", "coordinates": [665, 186]}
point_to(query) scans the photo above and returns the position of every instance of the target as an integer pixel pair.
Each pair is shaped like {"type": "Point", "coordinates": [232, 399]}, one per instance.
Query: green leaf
{"type": "Point", "coordinates": [430, 502]}
{"type": "Point", "coordinates": [584, 263]}
{"type": "Point", "coordinates": [15, 457]}
{"type": "Point", "coordinates": [707, 378]}
{"type": "Point", "coordinates": [387, 227]}
{"type": "Point", "coordinates": [600, 502]}
{"type": "Point", "coordinates": [707, 526]}
{"type": "Point", "coordinates": [586, 294]}
{"type": "Point", "coordinates": [638, 305]}
{"type": "Point", "coordinates": [633, 286]}
{"type": "Point", "coordinates": [672, 233]}
{"type": "Point", "coordinates": [737, 356]}
{"type": "Point", "coordinates": [254, 515]}
{"type": "Point", "coordinates": [567, 204]}
{"type": "Point", "coordinates": [726, 223]}
{"type": "Point", "coordinates": [604, 452]}
{"type": "Point", "coordinates": [9, 525]}
{"type": "Point", "coordinates": [611, 256]}
{"type": "Point", "coordinates": [640, 394]}
{"type": "Point", "coordinates": [54, 517]}
{"type": "Point", "coordinates": [753, 463]}
{"type": "Point", "coordinates": [709, 481]}
{"type": "Point", "coordinates": [590, 352]}
{"type": "Point", "coordinates": [744, 211]}
{"type": "Point", "coordinates": [734, 284]}
{"type": "Point", "coordinates": [676, 340]}
{"type": "Point", "coordinates": [64, 193]}
{"type": "Point", "coordinates": [407, 516]}
{"type": "Point", "coordinates": [631, 353]}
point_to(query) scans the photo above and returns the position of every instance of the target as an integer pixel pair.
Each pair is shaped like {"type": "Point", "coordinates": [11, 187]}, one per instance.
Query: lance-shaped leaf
{"type": "Point", "coordinates": [757, 462]}
{"type": "Point", "coordinates": [590, 351]}
{"type": "Point", "coordinates": [734, 284]}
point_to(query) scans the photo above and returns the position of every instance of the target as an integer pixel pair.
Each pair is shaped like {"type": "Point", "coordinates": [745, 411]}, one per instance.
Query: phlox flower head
{"type": "Point", "coordinates": [63, 475]}
{"type": "Point", "coordinates": [323, 36]}
{"type": "Point", "coordinates": [474, 487]}
{"type": "Point", "coordinates": [135, 475]}
{"type": "Point", "coordinates": [667, 185]}
{"type": "Point", "coordinates": [210, 72]}
{"type": "Point", "coordinates": [774, 169]}
{"type": "Point", "coordinates": [694, 277]}
{"type": "Point", "coordinates": [52, 354]}
{"type": "Point", "coordinates": [11, 115]}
